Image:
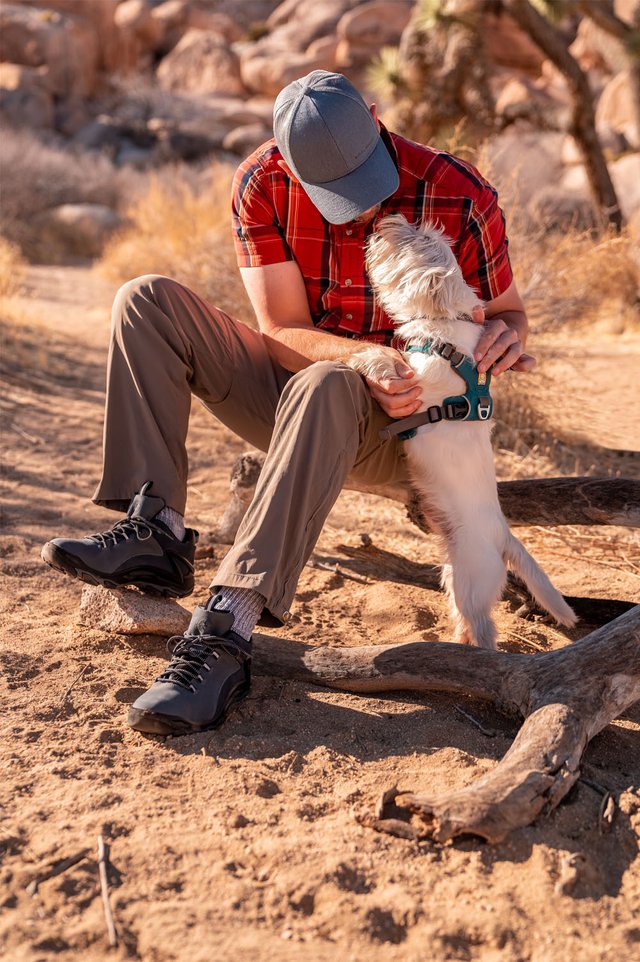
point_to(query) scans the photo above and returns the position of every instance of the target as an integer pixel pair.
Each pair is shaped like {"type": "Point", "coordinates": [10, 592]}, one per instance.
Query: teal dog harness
{"type": "Point", "coordinates": [476, 404]}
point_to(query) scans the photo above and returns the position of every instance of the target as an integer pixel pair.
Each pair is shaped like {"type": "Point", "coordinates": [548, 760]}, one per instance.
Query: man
{"type": "Point", "coordinates": [303, 207]}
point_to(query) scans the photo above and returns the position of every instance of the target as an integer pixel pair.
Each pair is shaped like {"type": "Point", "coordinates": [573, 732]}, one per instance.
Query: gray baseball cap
{"type": "Point", "coordinates": [332, 144]}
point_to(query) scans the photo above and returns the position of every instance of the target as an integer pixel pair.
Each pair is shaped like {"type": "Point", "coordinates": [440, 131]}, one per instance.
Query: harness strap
{"type": "Point", "coordinates": [475, 405]}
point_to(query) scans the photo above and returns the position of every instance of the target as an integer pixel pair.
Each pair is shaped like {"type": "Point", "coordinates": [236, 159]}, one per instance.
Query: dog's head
{"type": "Point", "coordinates": [414, 273]}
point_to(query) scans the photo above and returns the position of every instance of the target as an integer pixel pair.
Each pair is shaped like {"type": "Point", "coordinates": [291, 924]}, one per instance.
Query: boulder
{"type": "Point", "coordinates": [615, 109]}
{"type": "Point", "coordinates": [25, 100]}
{"type": "Point", "coordinates": [290, 10]}
{"type": "Point", "coordinates": [522, 98]}
{"type": "Point", "coordinates": [361, 32]}
{"type": "Point", "coordinates": [125, 611]}
{"type": "Point", "coordinates": [202, 61]}
{"type": "Point", "coordinates": [596, 50]}
{"type": "Point", "coordinates": [77, 230]}
{"type": "Point", "coordinates": [269, 73]}
{"type": "Point", "coordinates": [100, 15]}
{"type": "Point", "coordinates": [244, 140]}
{"type": "Point", "coordinates": [509, 46]}
{"type": "Point", "coordinates": [625, 174]}
{"type": "Point", "coordinates": [134, 18]}
{"type": "Point", "coordinates": [66, 45]}
{"type": "Point", "coordinates": [523, 162]}
{"type": "Point", "coordinates": [556, 208]}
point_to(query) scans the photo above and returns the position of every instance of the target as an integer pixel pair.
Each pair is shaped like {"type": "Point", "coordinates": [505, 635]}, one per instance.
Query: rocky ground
{"type": "Point", "coordinates": [242, 843]}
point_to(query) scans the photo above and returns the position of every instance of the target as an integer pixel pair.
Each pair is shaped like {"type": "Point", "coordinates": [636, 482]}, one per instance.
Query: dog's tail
{"type": "Point", "coordinates": [527, 568]}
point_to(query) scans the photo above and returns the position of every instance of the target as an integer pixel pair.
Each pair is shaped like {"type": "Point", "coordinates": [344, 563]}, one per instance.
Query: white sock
{"type": "Point", "coordinates": [245, 605]}
{"type": "Point", "coordinates": [174, 522]}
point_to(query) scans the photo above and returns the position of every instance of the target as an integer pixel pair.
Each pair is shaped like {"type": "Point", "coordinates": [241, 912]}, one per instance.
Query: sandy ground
{"type": "Point", "coordinates": [242, 843]}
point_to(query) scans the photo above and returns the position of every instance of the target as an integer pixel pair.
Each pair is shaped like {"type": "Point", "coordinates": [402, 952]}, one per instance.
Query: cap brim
{"type": "Point", "coordinates": [348, 197]}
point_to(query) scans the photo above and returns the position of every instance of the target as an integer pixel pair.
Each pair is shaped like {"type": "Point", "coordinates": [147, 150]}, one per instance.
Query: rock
{"type": "Point", "coordinates": [615, 109]}
{"type": "Point", "coordinates": [523, 163]}
{"type": "Point", "coordinates": [520, 98]}
{"type": "Point", "coordinates": [66, 45]}
{"type": "Point", "coordinates": [126, 611]}
{"type": "Point", "coordinates": [104, 133]}
{"type": "Point", "coordinates": [596, 50]}
{"type": "Point", "coordinates": [509, 46]}
{"type": "Point", "coordinates": [364, 30]}
{"type": "Point", "coordinates": [79, 230]}
{"type": "Point", "coordinates": [244, 140]}
{"type": "Point", "coordinates": [100, 15]}
{"type": "Point", "coordinates": [201, 62]}
{"type": "Point", "coordinates": [25, 100]}
{"type": "Point", "coordinates": [324, 49]}
{"type": "Point", "coordinates": [625, 174]}
{"type": "Point", "coordinates": [613, 143]}
{"type": "Point", "coordinates": [557, 208]}
{"type": "Point", "coordinates": [269, 73]}
{"type": "Point", "coordinates": [326, 15]}
{"type": "Point", "coordinates": [134, 17]}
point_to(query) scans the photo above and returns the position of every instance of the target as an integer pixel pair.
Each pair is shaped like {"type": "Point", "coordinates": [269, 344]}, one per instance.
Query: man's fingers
{"type": "Point", "coordinates": [477, 315]}
{"type": "Point", "coordinates": [500, 346]}
{"type": "Point", "coordinates": [508, 359]}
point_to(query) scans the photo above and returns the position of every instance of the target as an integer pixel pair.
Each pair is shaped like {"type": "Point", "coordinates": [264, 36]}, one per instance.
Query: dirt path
{"type": "Point", "coordinates": [241, 843]}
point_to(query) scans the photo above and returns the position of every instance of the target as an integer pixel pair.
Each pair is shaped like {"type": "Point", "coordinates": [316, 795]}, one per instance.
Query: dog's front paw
{"type": "Point", "coordinates": [373, 363]}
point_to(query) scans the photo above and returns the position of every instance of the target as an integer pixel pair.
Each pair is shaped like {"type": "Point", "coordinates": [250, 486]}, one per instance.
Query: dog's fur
{"type": "Point", "coordinates": [418, 281]}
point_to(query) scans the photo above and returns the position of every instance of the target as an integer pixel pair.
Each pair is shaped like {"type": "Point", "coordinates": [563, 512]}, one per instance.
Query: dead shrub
{"type": "Point", "coordinates": [12, 266]}
{"type": "Point", "coordinates": [181, 228]}
{"type": "Point", "coordinates": [38, 176]}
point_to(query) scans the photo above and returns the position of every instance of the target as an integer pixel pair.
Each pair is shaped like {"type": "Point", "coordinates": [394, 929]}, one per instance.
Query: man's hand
{"type": "Point", "coordinates": [397, 396]}
{"type": "Point", "coordinates": [500, 346]}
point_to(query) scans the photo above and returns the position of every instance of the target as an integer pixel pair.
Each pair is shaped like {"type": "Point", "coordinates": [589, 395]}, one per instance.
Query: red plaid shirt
{"type": "Point", "coordinates": [274, 221]}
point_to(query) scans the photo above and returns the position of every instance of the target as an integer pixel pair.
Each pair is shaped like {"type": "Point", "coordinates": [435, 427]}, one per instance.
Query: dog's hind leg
{"type": "Point", "coordinates": [474, 580]}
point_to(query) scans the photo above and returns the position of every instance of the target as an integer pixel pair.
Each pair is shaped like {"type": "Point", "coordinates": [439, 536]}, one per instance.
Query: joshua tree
{"type": "Point", "coordinates": [439, 74]}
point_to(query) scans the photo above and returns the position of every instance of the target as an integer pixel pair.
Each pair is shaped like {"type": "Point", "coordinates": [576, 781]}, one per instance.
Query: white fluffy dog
{"type": "Point", "coordinates": [418, 281]}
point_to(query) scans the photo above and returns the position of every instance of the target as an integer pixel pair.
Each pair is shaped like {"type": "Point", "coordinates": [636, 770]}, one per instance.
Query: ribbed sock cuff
{"type": "Point", "coordinates": [174, 522]}
{"type": "Point", "coordinates": [244, 604]}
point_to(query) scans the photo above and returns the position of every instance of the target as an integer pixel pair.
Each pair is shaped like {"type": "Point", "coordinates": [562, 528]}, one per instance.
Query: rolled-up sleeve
{"type": "Point", "coordinates": [258, 236]}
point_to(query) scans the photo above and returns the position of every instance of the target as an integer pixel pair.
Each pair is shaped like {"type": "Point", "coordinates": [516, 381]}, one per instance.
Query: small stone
{"type": "Point", "coordinates": [266, 788]}
{"type": "Point", "coordinates": [240, 821]}
{"type": "Point", "coordinates": [125, 611]}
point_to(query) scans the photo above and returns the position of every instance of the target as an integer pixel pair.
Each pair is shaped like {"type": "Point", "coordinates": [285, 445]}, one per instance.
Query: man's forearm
{"type": "Point", "coordinates": [297, 347]}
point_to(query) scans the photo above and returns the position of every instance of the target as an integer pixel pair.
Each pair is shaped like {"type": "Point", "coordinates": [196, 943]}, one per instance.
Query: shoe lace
{"type": "Point", "coordinates": [189, 654]}
{"type": "Point", "coordinates": [123, 530]}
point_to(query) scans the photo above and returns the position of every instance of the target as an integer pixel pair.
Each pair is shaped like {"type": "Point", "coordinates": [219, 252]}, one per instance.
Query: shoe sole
{"type": "Point", "coordinates": [152, 723]}
{"type": "Point", "coordinates": [61, 561]}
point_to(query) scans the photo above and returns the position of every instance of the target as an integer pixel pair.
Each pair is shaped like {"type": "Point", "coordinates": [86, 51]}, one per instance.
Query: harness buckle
{"type": "Point", "coordinates": [457, 410]}
{"type": "Point", "coordinates": [446, 350]}
{"type": "Point", "coordinates": [484, 408]}
{"type": "Point", "coordinates": [434, 414]}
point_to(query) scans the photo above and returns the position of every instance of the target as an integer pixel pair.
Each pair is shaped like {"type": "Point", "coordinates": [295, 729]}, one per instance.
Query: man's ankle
{"type": "Point", "coordinates": [173, 520]}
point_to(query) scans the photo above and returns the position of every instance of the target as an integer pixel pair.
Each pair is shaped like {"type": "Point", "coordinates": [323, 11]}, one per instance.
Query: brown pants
{"type": "Point", "coordinates": [317, 427]}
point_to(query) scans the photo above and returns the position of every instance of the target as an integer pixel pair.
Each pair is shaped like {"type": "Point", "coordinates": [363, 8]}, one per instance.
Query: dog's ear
{"type": "Point", "coordinates": [414, 271]}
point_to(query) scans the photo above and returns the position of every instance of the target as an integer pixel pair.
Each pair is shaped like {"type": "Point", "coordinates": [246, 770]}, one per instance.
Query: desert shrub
{"type": "Point", "coordinates": [181, 227]}
{"type": "Point", "coordinates": [37, 176]}
{"type": "Point", "coordinates": [12, 266]}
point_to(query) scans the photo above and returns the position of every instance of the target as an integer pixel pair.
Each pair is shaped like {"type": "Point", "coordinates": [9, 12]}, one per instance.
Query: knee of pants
{"type": "Point", "coordinates": [332, 379]}
{"type": "Point", "coordinates": [130, 297]}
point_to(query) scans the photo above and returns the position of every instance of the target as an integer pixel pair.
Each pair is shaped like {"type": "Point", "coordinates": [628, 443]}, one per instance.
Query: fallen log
{"type": "Point", "coordinates": [564, 697]}
{"type": "Point", "coordinates": [539, 501]}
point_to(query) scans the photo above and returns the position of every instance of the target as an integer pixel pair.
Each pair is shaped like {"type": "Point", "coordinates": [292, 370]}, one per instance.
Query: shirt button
{"type": "Point", "coordinates": [348, 233]}
{"type": "Point", "coordinates": [349, 317]}
{"type": "Point", "coordinates": [348, 282]}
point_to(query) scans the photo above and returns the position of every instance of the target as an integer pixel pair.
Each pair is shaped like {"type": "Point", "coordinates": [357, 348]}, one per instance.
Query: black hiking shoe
{"type": "Point", "coordinates": [139, 550]}
{"type": "Point", "coordinates": [209, 671]}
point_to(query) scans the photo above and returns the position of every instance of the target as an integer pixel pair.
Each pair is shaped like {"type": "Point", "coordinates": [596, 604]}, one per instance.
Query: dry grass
{"type": "Point", "coordinates": [37, 176]}
{"type": "Point", "coordinates": [12, 267]}
{"type": "Point", "coordinates": [181, 228]}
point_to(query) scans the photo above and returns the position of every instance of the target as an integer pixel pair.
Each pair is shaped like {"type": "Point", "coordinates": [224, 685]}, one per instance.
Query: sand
{"type": "Point", "coordinates": [242, 843]}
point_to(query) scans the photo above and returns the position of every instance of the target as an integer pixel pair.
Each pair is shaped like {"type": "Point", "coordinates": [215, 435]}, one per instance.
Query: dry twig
{"type": "Point", "coordinates": [56, 868]}
{"type": "Point", "coordinates": [104, 888]}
